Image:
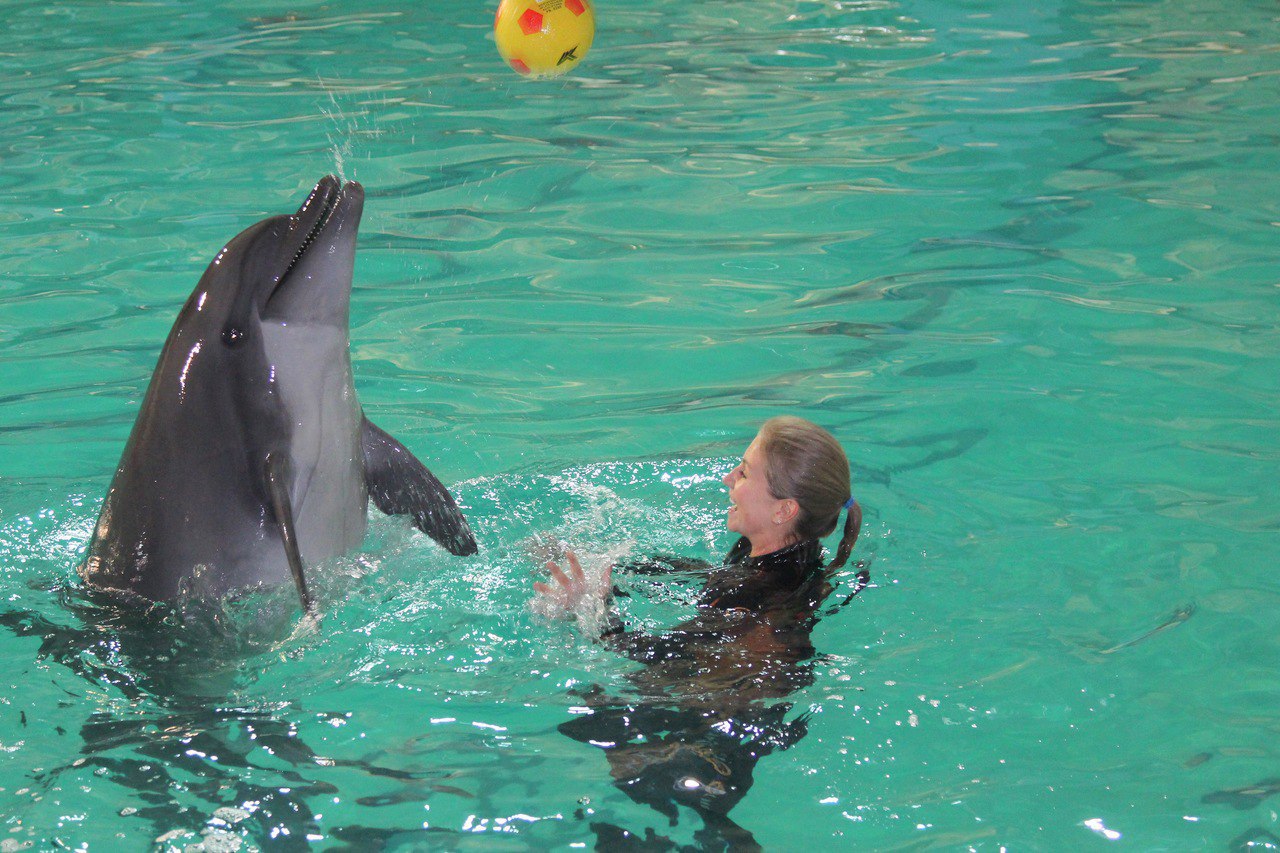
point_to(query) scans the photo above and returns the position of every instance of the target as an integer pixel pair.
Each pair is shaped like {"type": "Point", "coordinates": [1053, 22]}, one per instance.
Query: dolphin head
{"type": "Point", "coordinates": [286, 269]}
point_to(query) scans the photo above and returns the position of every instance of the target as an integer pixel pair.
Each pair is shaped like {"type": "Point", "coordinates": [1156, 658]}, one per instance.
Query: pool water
{"type": "Point", "coordinates": [1019, 258]}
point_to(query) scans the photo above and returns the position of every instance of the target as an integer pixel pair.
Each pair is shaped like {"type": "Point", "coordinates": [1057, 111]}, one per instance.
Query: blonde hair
{"type": "Point", "coordinates": [805, 463]}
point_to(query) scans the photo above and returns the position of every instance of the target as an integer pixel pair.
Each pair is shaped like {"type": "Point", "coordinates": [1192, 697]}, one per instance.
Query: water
{"type": "Point", "coordinates": [1019, 259]}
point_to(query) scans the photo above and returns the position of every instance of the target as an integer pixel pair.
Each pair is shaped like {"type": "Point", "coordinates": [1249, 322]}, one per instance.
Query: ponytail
{"type": "Point", "coordinates": [852, 524]}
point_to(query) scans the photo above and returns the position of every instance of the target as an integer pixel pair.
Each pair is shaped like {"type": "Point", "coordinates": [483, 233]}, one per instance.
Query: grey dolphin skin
{"type": "Point", "coordinates": [251, 457]}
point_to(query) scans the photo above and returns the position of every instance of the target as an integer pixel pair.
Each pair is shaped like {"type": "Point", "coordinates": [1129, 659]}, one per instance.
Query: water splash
{"type": "Point", "coordinates": [344, 129]}
{"type": "Point", "coordinates": [590, 613]}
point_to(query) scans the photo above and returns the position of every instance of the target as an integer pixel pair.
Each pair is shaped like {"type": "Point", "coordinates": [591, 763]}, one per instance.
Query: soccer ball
{"type": "Point", "coordinates": [544, 39]}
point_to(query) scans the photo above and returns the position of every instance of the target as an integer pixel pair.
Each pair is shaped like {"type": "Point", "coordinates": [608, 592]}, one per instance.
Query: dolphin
{"type": "Point", "coordinates": [251, 457]}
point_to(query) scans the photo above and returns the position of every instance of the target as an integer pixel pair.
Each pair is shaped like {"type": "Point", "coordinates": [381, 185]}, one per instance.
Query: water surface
{"type": "Point", "coordinates": [1020, 260]}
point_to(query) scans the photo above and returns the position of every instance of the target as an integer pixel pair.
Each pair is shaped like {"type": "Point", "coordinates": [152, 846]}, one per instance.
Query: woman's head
{"type": "Point", "coordinates": [801, 482]}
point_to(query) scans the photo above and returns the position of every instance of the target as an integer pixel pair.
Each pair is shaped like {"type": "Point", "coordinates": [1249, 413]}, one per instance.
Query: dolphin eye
{"type": "Point", "coordinates": [233, 335]}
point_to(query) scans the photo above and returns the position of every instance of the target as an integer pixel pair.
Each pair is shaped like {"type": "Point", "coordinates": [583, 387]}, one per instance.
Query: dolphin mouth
{"type": "Point", "coordinates": [313, 215]}
{"type": "Point", "coordinates": [325, 224]}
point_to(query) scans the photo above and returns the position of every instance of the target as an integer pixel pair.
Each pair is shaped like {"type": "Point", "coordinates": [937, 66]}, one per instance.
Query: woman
{"type": "Point", "coordinates": [701, 720]}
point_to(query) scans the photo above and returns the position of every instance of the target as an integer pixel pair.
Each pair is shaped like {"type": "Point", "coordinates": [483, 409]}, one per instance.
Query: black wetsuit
{"type": "Point", "coordinates": [758, 583]}
{"type": "Point", "coordinates": [707, 707]}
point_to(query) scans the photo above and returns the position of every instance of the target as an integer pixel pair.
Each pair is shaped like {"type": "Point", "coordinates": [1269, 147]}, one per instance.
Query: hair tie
{"type": "Point", "coordinates": [849, 503]}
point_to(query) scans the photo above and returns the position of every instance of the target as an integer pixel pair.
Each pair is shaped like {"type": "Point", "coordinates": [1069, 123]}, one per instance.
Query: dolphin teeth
{"type": "Point", "coordinates": [325, 215]}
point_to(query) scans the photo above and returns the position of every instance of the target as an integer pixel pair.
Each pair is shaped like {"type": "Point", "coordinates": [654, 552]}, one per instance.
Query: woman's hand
{"type": "Point", "coordinates": [572, 593]}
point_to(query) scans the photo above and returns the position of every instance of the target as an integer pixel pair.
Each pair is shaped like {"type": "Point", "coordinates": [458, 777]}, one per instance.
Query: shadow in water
{"type": "Point", "coordinates": [665, 757]}
{"type": "Point", "coordinates": [195, 765]}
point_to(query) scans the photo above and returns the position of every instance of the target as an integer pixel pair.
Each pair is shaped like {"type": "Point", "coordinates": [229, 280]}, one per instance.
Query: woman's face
{"type": "Point", "coordinates": [753, 511]}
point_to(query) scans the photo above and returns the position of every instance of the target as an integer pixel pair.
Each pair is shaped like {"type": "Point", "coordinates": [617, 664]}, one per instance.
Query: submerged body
{"type": "Point", "coordinates": [251, 457]}
{"type": "Point", "coordinates": [751, 631]}
{"type": "Point", "coordinates": [712, 695]}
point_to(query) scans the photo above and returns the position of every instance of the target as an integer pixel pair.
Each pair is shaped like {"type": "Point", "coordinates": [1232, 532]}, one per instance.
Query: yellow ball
{"type": "Point", "coordinates": [544, 39]}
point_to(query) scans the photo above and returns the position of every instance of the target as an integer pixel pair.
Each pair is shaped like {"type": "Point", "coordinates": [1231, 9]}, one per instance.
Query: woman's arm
{"type": "Point", "coordinates": [664, 564]}
{"type": "Point", "coordinates": [573, 593]}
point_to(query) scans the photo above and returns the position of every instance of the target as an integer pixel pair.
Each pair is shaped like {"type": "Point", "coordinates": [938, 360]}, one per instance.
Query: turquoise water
{"type": "Point", "coordinates": [1019, 259]}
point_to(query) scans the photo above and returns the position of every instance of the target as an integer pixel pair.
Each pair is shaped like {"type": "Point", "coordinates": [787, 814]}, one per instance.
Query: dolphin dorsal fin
{"type": "Point", "coordinates": [401, 485]}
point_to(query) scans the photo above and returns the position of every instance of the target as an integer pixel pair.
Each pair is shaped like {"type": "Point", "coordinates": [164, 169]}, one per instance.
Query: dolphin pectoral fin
{"type": "Point", "coordinates": [401, 485]}
{"type": "Point", "coordinates": [282, 506]}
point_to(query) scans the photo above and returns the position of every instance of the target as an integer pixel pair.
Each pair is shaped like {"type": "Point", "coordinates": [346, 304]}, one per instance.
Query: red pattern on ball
{"type": "Point", "coordinates": [530, 22]}
{"type": "Point", "coordinates": [575, 6]}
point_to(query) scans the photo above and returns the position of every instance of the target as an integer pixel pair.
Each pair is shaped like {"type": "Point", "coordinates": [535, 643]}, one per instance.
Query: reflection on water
{"type": "Point", "coordinates": [166, 729]}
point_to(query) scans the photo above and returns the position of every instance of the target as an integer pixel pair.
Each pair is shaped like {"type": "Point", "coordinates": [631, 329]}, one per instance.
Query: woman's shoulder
{"type": "Point", "coordinates": [759, 583]}
{"type": "Point", "coordinates": [664, 564]}
{"type": "Point", "coordinates": [799, 557]}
